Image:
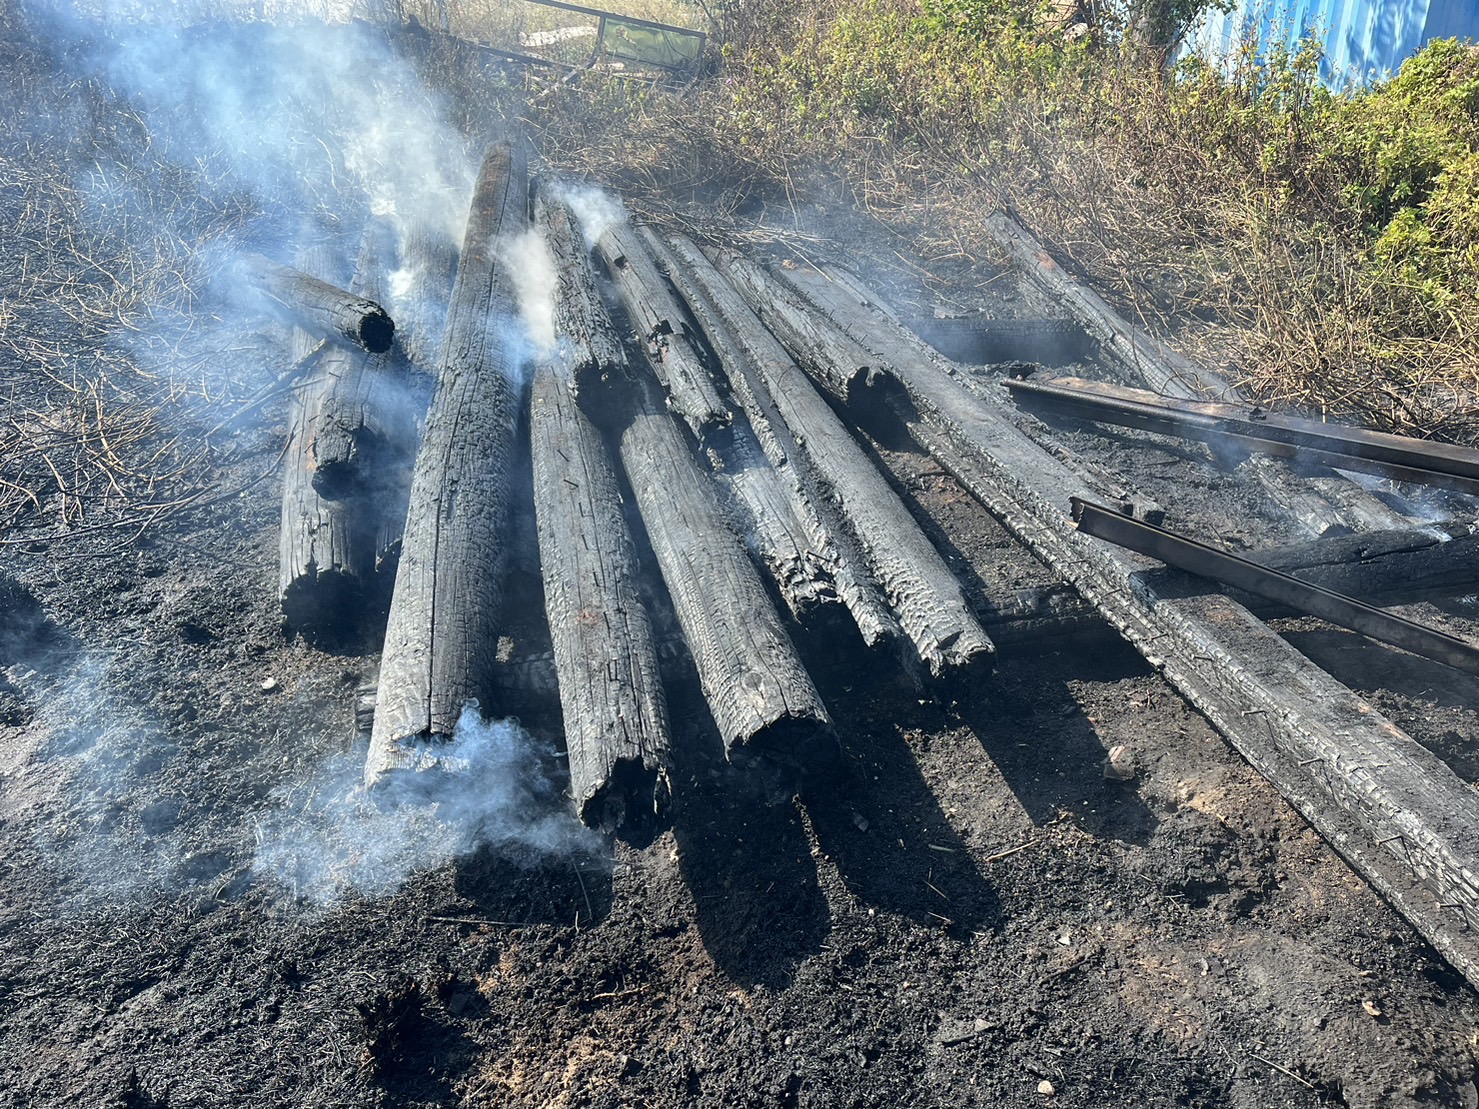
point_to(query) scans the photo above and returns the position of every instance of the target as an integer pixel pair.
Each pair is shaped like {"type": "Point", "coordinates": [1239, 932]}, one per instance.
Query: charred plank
{"type": "Point", "coordinates": [441, 637]}
{"type": "Point", "coordinates": [588, 342]}
{"type": "Point", "coordinates": [320, 308]}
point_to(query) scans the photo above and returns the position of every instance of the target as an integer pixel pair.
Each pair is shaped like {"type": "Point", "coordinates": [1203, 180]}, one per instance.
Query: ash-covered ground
{"type": "Point", "coordinates": [199, 910]}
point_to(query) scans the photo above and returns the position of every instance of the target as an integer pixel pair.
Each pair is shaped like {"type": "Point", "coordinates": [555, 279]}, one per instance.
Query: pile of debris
{"type": "Point", "coordinates": [717, 395]}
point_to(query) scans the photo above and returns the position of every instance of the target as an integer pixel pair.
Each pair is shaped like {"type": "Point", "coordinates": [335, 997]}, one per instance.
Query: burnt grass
{"type": "Point", "coordinates": [963, 911]}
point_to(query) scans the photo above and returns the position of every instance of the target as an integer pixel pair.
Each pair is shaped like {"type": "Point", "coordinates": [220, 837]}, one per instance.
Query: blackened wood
{"type": "Point", "coordinates": [365, 433]}
{"type": "Point", "coordinates": [616, 723]}
{"type": "Point", "coordinates": [661, 327]}
{"type": "Point", "coordinates": [441, 637]}
{"type": "Point", "coordinates": [950, 643]}
{"type": "Point", "coordinates": [768, 507]}
{"type": "Point", "coordinates": [419, 288]}
{"type": "Point", "coordinates": [1322, 501]}
{"type": "Point", "coordinates": [1390, 807]}
{"type": "Point", "coordinates": [324, 557]}
{"type": "Point", "coordinates": [320, 308]}
{"type": "Point", "coordinates": [761, 696]}
{"type": "Point", "coordinates": [589, 344]}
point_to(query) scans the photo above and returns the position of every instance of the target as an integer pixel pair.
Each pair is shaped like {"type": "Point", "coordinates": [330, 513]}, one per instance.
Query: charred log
{"type": "Point", "coordinates": [1390, 807]}
{"type": "Point", "coordinates": [761, 696]}
{"type": "Point", "coordinates": [419, 288]}
{"type": "Point", "coordinates": [588, 343]}
{"type": "Point", "coordinates": [320, 308]}
{"type": "Point", "coordinates": [949, 641]}
{"type": "Point", "coordinates": [616, 724]}
{"type": "Point", "coordinates": [441, 638]}
{"type": "Point", "coordinates": [660, 326]}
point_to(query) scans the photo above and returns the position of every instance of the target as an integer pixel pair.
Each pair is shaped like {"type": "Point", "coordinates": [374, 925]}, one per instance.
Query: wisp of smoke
{"type": "Point", "coordinates": [533, 271]}
{"type": "Point", "coordinates": [484, 787]}
{"type": "Point", "coordinates": [595, 209]}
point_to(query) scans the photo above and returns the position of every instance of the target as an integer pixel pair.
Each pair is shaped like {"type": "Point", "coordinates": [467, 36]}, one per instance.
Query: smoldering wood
{"type": "Point", "coordinates": [441, 638]}
{"type": "Point", "coordinates": [950, 644]}
{"type": "Point", "coordinates": [767, 507]}
{"type": "Point", "coordinates": [589, 343]}
{"type": "Point", "coordinates": [762, 699]}
{"type": "Point", "coordinates": [662, 329]}
{"type": "Point", "coordinates": [616, 722]}
{"type": "Point", "coordinates": [324, 556]}
{"type": "Point", "coordinates": [365, 433]}
{"type": "Point", "coordinates": [320, 308]}
{"type": "Point", "coordinates": [1320, 501]}
{"type": "Point", "coordinates": [419, 288]}
{"type": "Point", "coordinates": [1390, 807]}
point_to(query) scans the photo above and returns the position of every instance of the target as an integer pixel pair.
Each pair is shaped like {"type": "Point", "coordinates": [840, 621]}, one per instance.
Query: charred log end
{"type": "Point", "coordinates": [785, 753]}
{"type": "Point", "coordinates": [323, 608]}
{"type": "Point", "coordinates": [337, 481]}
{"type": "Point", "coordinates": [633, 799]}
{"type": "Point", "coordinates": [960, 669]}
{"type": "Point", "coordinates": [412, 768]}
{"type": "Point", "coordinates": [377, 332]}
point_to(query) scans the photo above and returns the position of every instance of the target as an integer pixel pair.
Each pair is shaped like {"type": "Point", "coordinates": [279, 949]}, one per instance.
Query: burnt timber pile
{"type": "Point", "coordinates": [695, 378]}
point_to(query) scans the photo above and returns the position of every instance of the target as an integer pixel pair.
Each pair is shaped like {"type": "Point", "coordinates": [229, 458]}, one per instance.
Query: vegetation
{"type": "Point", "coordinates": [1322, 249]}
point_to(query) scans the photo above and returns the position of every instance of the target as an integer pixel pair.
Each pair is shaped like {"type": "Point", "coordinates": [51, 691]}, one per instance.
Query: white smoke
{"type": "Point", "coordinates": [595, 209]}
{"type": "Point", "coordinates": [528, 260]}
{"type": "Point", "coordinates": [486, 786]}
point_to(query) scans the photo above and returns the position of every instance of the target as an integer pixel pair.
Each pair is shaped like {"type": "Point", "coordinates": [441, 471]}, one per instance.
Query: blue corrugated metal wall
{"type": "Point", "coordinates": [1363, 39]}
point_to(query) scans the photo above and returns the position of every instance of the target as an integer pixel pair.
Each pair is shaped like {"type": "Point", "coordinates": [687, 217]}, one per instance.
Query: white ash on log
{"type": "Point", "coordinates": [1391, 808]}
{"type": "Point", "coordinates": [320, 308]}
{"type": "Point", "coordinates": [660, 325]}
{"type": "Point", "coordinates": [325, 557]}
{"type": "Point", "coordinates": [616, 722]}
{"type": "Point", "coordinates": [921, 589]}
{"type": "Point", "coordinates": [588, 342]}
{"type": "Point", "coordinates": [761, 697]}
{"type": "Point", "coordinates": [768, 508]}
{"type": "Point", "coordinates": [441, 638]}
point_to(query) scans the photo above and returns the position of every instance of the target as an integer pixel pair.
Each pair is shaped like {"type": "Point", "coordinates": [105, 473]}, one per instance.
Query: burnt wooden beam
{"type": "Point", "coordinates": [588, 342]}
{"type": "Point", "coordinates": [324, 557]}
{"type": "Point", "coordinates": [320, 308]}
{"type": "Point", "coordinates": [419, 287]}
{"type": "Point", "coordinates": [950, 644]}
{"type": "Point", "coordinates": [616, 723]}
{"type": "Point", "coordinates": [767, 508]}
{"type": "Point", "coordinates": [1322, 502]}
{"type": "Point", "coordinates": [761, 697]}
{"type": "Point", "coordinates": [662, 329]}
{"type": "Point", "coordinates": [1390, 807]}
{"type": "Point", "coordinates": [441, 638]}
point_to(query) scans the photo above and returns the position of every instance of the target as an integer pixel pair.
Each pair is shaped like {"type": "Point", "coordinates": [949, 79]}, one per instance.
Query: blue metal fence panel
{"type": "Point", "coordinates": [1363, 40]}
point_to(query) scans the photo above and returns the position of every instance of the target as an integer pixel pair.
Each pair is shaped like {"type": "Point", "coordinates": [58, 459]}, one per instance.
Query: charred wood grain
{"type": "Point", "coordinates": [588, 342]}
{"type": "Point", "coordinates": [616, 723]}
{"type": "Point", "coordinates": [1321, 501]}
{"type": "Point", "coordinates": [1389, 806]}
{"type": "Point", "coordinates": [325, 557]}
{"type": "Point", "coordinates": [949, 641]}
{"type": "Point", "coordinates": [420, 287]}
{"type": "Point", "coordinates": [662, 329]}
{"type": "Point", "coordinates": [320, 308]}
{"type": "Point", "coordinates": [441, 638]}
{"type": "Point", "coordinates": [762, 699]}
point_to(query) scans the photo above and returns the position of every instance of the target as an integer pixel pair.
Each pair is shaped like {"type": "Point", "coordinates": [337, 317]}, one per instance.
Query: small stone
{"type": "Point", "coordinates": [1119, 766]}
{"type": "Point", "coordinates": [269, 684]}
{"type": "Point", "coordinates": [1046, 1088]}
{"type": "Point", "coordinates": [1371, 1007]}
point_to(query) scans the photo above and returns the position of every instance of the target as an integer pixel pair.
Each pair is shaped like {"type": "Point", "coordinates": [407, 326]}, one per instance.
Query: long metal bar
{"type": "Point", "coordinates": [1396, 456]}
{"type": "Point", "coordinates": [562, 5]}
{"type": "Point", "coordinates": [1347, 612]}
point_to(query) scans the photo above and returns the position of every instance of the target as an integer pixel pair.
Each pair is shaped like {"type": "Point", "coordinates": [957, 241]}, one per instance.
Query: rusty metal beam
{"type": "Point", "coordinates": [1347, 612]}
{"type": "Point", "coordinates": [1219, 425]}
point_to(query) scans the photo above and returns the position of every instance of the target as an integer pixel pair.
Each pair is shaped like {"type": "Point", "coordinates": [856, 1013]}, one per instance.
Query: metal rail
{"type": "Point", "coordinates": [1220, 425]}
{"type": "Point", "coordinates": [1347, 612]}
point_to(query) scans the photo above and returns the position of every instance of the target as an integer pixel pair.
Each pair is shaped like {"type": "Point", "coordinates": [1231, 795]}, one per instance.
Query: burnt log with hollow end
{"type": "Point", "coordinates": [660, 325]}
{"type": "Point", "coordinates": [589, 344]}
{"type": "Point", "coordinates": [320, 308]}
{"type": "Point", "coordinates": [616, 723]}
{"type": "Point", "coordinates": [951, 645]}
{"type": "Point", "coordinates": [1390, 807]}
{"type": "Point", "coordinates": [324, 557]}
{"type": "Point", "coordinates": [365, 432]}
{"type": "Point", "coordinates": [769, 508]}
{"type": "Point", "coordinates": [441, 638]}
{"type": "Point", "coordinates": [761, 697]}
